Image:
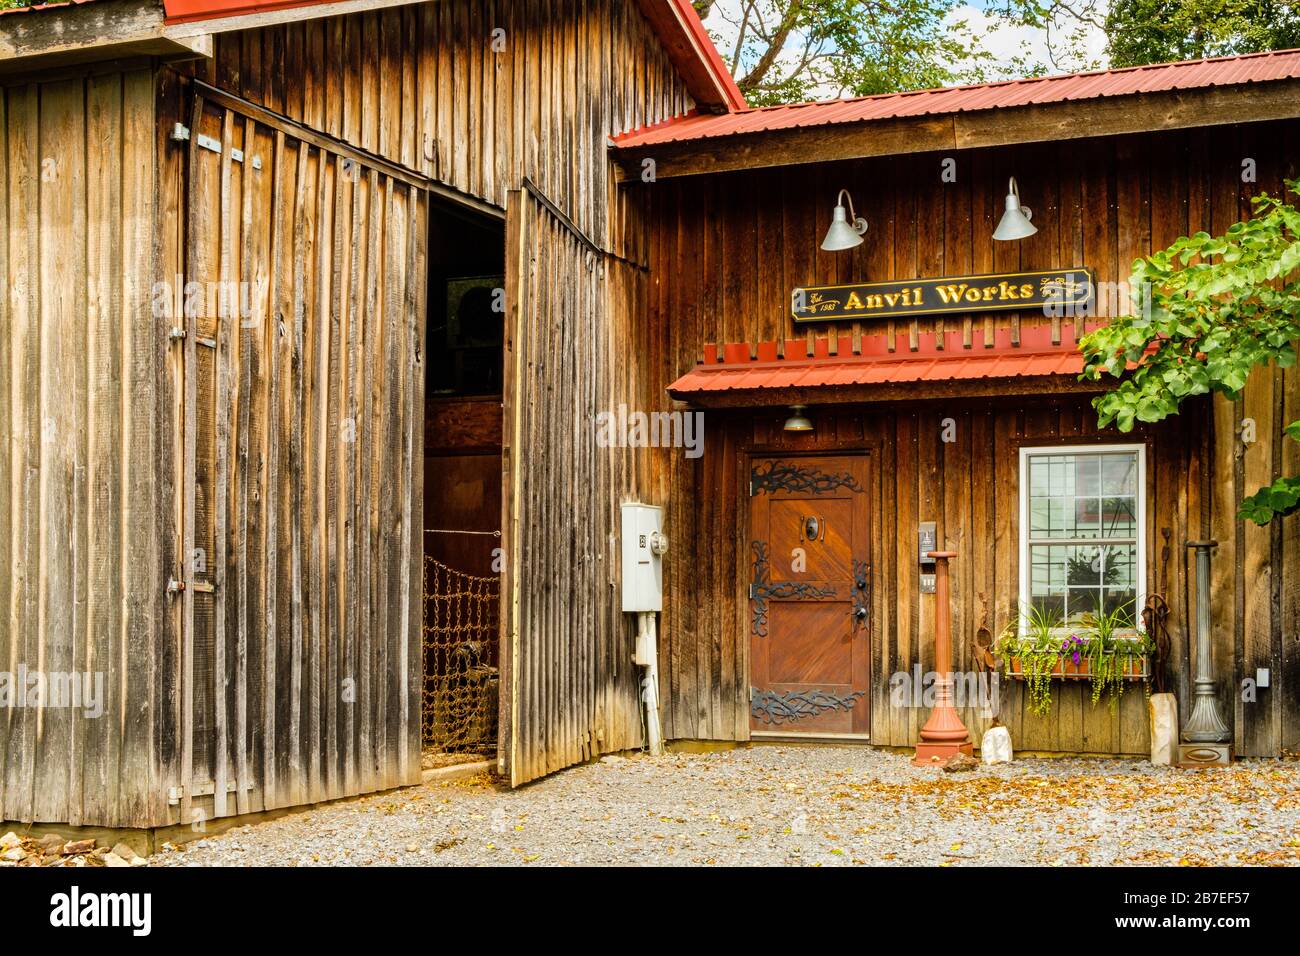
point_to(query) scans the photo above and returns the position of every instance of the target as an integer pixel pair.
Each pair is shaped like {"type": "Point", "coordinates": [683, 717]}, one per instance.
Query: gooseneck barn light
{"type": "Point", "coordinates": [798, 420]}
{"type": "Point", "coordinates": [846, 228]}
{"type": "Point", "coordinates": [1015, 222]}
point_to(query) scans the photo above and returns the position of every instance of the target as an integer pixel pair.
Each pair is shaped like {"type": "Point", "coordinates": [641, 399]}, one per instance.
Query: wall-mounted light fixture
{"type": "Point", "coordinates": [798, 421]}
{"type": "Point", "coordinates": [1015, 222]}
{"type": "Point", "coordinates": [846, 228]}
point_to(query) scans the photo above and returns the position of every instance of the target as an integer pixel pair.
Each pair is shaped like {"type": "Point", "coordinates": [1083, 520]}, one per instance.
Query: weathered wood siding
{"type": "Point", "coordinates": [302, 461]}
{"type": "Point", "coordinates": [476, 94]}
{"type": "Point", "coordinates": [726, 251]}
{"type": "Point", "coordinates": [571, 690]}
{"type": "Point", "coordinates": [83, 549]}
{"type": "Point", "coordinates": [502, 101]}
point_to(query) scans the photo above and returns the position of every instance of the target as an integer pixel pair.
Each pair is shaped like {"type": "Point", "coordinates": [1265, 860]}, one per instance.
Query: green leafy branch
{"type": "Point", "coordinates": [1207, 311]}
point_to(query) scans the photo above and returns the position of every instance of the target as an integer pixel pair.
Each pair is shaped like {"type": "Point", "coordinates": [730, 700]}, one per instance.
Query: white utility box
{"type": "Point", "coordinates": [644, 545]}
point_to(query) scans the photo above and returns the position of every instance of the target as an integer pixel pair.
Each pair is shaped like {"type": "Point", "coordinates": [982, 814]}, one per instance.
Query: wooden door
{"type": "Point", "coordinates": [570, 691]}
{"type": "Point", "coordinates": [303, 397]}
{"type": "Point", "coordinates": [809, 595]}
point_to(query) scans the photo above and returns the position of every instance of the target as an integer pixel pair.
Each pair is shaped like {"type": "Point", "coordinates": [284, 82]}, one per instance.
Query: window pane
{"type": "Point", "coordinates": [1118, 517]}
{"type": "Point", "coordinates": [1087, 474]}
{"type": "Point", "coordinates": [1083, 566]}
{"type": "Point", "coordinates": [1078, 580]}
{"type": "Point", "coordinates": [1083, 495]}
{"type": "Point", "coordinates": [1119, 474]}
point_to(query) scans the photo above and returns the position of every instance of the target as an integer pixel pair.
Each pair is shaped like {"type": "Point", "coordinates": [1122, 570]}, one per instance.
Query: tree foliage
{"type": "Point", "coordinates": [783, 51]}
{"type": "Point", "coordinates": [1138, 32]}
{"type": "Point", "coordinates": [1209, 310]}
{"type": "Point", "coordinates": [1159, 31]}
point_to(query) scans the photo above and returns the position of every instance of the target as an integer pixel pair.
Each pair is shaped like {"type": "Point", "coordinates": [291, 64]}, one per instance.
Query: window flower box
{"type": "Point", "coordinates": [1104, 649]}
{"type": "Point", "coordinates": [1132, 668]}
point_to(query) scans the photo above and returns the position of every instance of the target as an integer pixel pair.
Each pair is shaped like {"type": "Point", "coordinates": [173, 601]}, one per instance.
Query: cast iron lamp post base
{"type": "Point", "coordinates": [944, 735]}
{"type": "Point", "coordinates": [1206, 736]}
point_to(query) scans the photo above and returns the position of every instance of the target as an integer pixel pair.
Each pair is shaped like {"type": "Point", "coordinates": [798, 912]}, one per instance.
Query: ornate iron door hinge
{"type": "Point", "coordinates": [773, 708]}
{"type": "Point", "coordinates": [761, 589]}
{"type": "Point", "coordinates": [783, 476]}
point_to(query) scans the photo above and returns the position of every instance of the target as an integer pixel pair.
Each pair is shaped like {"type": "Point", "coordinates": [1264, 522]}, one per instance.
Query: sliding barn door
{"type": "Point", "coordinates": [570, 691]}
{"type": "Point", "coordinates": [302, 319]}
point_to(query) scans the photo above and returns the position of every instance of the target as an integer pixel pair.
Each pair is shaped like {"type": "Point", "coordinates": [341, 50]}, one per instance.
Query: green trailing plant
{"type": "Point", "coordinates": [1116, 642]}
{"type": "Point", "coordinates": [1041, 642]}
{"type": "Point", "coordinates": [1035, 642]}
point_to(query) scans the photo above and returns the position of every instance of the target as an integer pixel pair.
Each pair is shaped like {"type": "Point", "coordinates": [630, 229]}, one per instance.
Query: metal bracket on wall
{"type": "Point", "coordinates": [214, 146]}
{"type": "Point", "coordinates": [174, 794]}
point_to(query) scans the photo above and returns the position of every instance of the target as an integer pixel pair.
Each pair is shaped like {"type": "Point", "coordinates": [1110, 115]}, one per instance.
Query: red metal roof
{"type": "Point", "coordinates": [1188, 74]}
{"type": "Point", "coordinates": [735, 371]}
{"type": "Point", "coordinates": [692, 53]}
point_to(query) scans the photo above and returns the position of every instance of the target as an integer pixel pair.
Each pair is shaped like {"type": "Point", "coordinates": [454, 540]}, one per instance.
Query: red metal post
{"type": "Point", "coordinates": [944, 735]}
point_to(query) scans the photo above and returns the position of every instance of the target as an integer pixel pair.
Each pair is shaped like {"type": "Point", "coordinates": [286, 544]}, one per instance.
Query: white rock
{"type": "Point", "coordinates": [114, 860]}
{"type": "Point", "coordinates": [125, 852]}
{"type": "Point", "coordinates": [1163, 711]}
{"type": "Point", "coordinates": [10, 840]}
{"type": "Point", "coordinates": [996, 745]}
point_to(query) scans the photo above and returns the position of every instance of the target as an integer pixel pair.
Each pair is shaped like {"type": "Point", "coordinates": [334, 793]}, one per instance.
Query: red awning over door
{"type": "Point", "coordinates": [759, 375]}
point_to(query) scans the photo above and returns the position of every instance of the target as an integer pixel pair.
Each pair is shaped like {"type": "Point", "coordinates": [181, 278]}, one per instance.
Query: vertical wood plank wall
{"type": "Point", "coordinates": [476, 94]}
{"type": "Point", "coordinates": [91, 518]}
{"type": "Point", "coordinates": [571, 692]}
{"type": "Point", "coordinates": [423, 87]}
{"type": "Point", "coordinates": [82, 539]}
{"type": "Point", "coordinates": [725, 252]}
{"type": "Point", "coordinates": [304, 418]}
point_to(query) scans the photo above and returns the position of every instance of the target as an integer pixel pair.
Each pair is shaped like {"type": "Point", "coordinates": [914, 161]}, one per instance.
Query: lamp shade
{"type": "Point", "coordinates": [798, 421]}
{"type": "Point", "coordinates": [843, 234]}
{"type": "Point", "coordinates": [1015, 222]}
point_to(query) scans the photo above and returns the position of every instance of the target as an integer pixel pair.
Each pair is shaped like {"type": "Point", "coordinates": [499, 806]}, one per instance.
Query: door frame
{"type": "Point", "coordinates": [745, 457]}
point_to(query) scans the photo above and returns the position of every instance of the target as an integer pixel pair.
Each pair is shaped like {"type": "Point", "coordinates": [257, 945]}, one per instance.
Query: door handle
{"type": "Point", "coordinates": [860, 613]}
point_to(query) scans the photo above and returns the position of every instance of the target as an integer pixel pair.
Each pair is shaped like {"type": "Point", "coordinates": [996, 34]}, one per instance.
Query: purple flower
{"type": "Point", "coordinates": [1072, 645]}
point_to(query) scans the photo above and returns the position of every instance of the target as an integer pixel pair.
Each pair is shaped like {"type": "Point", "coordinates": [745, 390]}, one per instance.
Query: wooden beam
{"type": "Point", "coordinates": [1106, 116]}
{"type": "Point", "coordinates": [94, 31]}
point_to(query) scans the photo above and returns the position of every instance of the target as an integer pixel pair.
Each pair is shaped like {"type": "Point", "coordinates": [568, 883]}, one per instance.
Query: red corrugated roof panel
{"type": "Point", "coordinates": [734, 371]}
{"type": "Point", "coordinates": [1189, 74]}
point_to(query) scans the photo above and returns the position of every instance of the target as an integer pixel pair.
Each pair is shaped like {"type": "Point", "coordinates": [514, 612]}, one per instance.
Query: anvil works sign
{"type": "Point", "coordinates": [1061, 291]}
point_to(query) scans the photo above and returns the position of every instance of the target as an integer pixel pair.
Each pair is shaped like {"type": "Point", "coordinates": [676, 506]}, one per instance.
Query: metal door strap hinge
{"type": "Point", "coordinates": [204, 587]}
{"type": "Point", "coordinates": [174, 794]}
{"type": "Point", "coordinates": [206, 342]}
{"type": "Point", "coordinates": [214, 145]}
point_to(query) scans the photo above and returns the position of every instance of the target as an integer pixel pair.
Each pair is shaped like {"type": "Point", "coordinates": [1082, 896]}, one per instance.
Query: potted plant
{"type": "Point", "coordinates": [1104, 647]}
{"type": "Point", "coordinates": [1032, 651]}
{"type": "Point", "coordinates": [1118, 653]}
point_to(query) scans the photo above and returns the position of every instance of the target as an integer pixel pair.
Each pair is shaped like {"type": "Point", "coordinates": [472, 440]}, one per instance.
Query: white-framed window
{"type": "Point", "coordinates": [1082, 521]}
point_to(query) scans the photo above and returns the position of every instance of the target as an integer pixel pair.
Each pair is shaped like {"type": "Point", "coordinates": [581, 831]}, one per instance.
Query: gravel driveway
{"type": "Point", "coordinates": [800, 805]}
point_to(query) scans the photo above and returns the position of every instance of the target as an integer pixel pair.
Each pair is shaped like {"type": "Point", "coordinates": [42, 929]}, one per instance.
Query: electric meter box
{"type": "Point", "coordinates": [644, 545]}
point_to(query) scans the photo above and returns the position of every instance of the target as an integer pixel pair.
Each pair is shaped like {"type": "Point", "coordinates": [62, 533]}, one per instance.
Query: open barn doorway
{"type": "Point", "coordinates": [462, 484]}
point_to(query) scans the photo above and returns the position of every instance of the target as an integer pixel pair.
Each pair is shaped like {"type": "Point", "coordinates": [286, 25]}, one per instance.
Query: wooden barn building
{"type": "Point", "coordinates": [303, 299]}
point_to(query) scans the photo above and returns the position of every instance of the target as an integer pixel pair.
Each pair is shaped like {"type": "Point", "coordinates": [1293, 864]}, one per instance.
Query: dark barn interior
{"type": "Point", "coordinates": [462, 469]}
